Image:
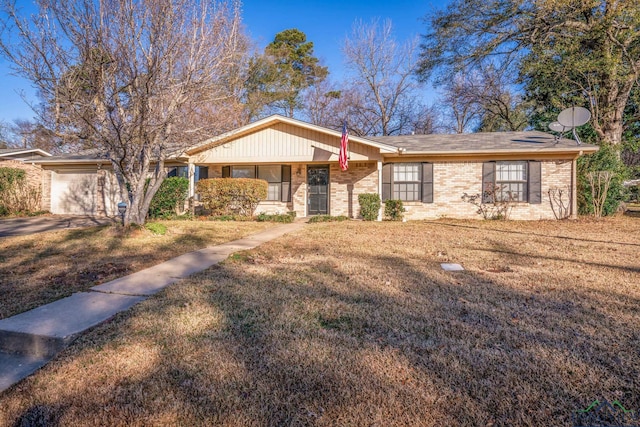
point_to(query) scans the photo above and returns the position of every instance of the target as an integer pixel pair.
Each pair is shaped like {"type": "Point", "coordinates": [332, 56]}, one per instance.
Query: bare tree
{"type": "Point", "coordinates": [484, 100]}
{"type": "Point", "coordinates": [133, 80]}
{"type": "Point", "coordinates": [382, 85]}
{"type": "Point", "coordinates": [324, 104]}
{"type": "Point", "coordinates": [460, 105]}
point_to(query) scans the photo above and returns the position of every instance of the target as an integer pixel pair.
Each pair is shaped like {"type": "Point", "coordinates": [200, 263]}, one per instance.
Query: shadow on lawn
{"type": "Point", "coordinates": [424, 348]}
{"type": "Point", "coordinates": [525, 233]}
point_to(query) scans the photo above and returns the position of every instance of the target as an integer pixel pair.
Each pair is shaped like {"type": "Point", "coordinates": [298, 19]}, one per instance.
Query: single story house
{"type": "Point", "coordinates": [430, 173]}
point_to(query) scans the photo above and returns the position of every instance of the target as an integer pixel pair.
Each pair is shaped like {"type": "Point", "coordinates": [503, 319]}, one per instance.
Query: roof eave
{"type": "Point", "coordinates": [276, 118]}
{"type": "Point", "coordinates": [466, 153]}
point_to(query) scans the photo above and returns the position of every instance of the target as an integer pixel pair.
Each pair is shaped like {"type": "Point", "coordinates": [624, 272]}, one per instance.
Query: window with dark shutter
{"type": "Point", "coordinates": [488, 181]}
{"type": "Point", "coordinates": [386, 181]}
{"type": "Point", "coordinates": [286, 183]}
{"type": "Point", "coordinates": [535, 182]}
{"type": "Point", "coordinates": [203, 172]}
{"type": "Point", "coordinates": [427, 183]}
{"type": "Point", "coordinates": [226, 171]}
{"type": "Point", "coordinates": [409, 182]}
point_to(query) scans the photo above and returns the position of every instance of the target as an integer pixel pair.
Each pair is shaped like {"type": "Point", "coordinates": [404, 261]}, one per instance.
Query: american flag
{"type": "Point", "coordinates": [343, 158]}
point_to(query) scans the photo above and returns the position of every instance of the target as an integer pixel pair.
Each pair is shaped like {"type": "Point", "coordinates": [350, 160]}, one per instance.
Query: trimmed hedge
{"type": "Point", "coordinates": [285, 218]}
{"type": "Point", "coordinates": [170, 198]}
{"type": "Point", "coordinates": [231, 196]}
{"type": "Point", "coordinates": [369, 206]}
{"type": "Point", "coordinates": [393, 210]}
{"type": "Point", "coordinates": [327, 218]}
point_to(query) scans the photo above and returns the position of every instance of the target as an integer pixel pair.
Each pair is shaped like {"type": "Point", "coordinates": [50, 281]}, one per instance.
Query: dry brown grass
{"type": "Point", "coordinates": [356, 324]}
{"type": "Point", "coordinates": [40, 268]}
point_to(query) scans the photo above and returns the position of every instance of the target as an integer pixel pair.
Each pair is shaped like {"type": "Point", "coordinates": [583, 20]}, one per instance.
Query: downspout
{"type": "Point", "coordinates": [380, 189]}
{"type": "Point", "coordinates": [574, 188]}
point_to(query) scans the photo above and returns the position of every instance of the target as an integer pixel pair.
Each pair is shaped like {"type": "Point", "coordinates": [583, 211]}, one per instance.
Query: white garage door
{"type": "Point", "coordinates": [74, 193]}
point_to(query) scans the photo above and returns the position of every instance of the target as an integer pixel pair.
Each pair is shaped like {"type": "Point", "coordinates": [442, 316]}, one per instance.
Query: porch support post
{"type": "Point", "coordinates": [191, 170]}
{"type": "Point", "coordinates": [380, 189]}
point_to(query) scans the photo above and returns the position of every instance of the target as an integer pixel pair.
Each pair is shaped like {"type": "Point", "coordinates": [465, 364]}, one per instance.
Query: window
{"type": "Point", "coordinates": [243, 172]}
{"type": "Point", "coordinates": [278, 177]}
{"type": "Point", "coordinates": [273, 175]}
{"type": "Point", "coordinates": [511, 181]}
{"type": "Point", "coordinates": [200, 172]}
{"type": "Point", "coordinates": [406, 182]}
{"type": "Point", "coordinates": [409, 182]}
{"type": "Point", "coordinates": [518, 181]}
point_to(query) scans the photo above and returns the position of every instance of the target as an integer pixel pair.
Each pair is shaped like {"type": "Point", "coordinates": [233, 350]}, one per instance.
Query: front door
{"type": "Point", "coordinates": [318, 180]}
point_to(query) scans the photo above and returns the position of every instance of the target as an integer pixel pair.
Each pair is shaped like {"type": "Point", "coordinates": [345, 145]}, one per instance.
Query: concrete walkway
{"type": "Point", "coordinates": [30, 339]}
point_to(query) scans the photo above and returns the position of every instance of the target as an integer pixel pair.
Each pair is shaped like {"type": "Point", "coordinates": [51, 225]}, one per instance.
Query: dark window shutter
{"type": "Point", "coordinates": [535, 182]}
{"type": "Point", "coordinates": [387, 172]}
{"type": "Point", "coordinates": [427, 183]}
{"type": "Point", "coordinates": [226, 171]}
{"type": "Point", "coordinates": [285, 196]}
{"type": "Point", "coordinates": [203, 172]}
{"type": "Point", "coordinates": [488, 181]}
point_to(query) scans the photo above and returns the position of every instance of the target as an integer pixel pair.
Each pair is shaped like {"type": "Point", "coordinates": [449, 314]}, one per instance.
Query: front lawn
{"type": "Point", "coordinates": [44, 267]}
{"type": "Point", "coordinates": [355, 323]}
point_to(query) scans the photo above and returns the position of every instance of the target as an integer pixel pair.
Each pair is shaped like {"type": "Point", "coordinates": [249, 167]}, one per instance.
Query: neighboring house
{"type": "Point", "coordinates": [430, 173]}
{"type": "Point", "coordinates": [22, 154]}
{"type": "Point", "coordinates": [25, 158]}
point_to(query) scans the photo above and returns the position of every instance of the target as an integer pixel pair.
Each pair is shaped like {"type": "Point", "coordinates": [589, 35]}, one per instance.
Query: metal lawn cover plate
{"type": "Point", "coordinates": [451, 267]}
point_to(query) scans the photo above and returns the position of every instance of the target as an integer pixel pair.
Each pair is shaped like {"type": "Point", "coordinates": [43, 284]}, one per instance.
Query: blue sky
{"type": "Point", "coordinates": [326, 24]}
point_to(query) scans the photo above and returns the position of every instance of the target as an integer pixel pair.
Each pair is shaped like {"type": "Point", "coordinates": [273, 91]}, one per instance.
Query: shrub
{"type": "Point", "coordinates": [156, 228]}
{"type": "Point", "coordinates": [285, 218]}
{"type": "Point", "coordinates": [227, 196]}
{"type": "Point", "coordinates": [16, 195]}
{"type": "Point", "coordinates": [393, 210]}
{"type": "Point", "coordinates": [604, 160]}
{"type": "Point", "coordinates": [170, 198]}
{"type": "Point", "coordinates": [327, 218]}
{"type": "Point", "coordinates": [495, 209]}
{"type": "Point", "coordinates": [369, 206]}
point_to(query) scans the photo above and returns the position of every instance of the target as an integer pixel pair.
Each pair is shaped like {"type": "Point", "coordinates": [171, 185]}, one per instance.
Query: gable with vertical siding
{"type": "Point", "coordinates": [284, 142]}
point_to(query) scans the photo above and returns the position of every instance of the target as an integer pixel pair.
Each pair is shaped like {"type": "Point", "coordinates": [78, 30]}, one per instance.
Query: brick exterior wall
{"type": "Point", "coordinates": [46, 190]}
{"type": "Point", "coordinates": [34, 176]}
{"type": "Point", "coordinates": [451, 181]}
{"type": "Point", "coordinates": [345, 187]}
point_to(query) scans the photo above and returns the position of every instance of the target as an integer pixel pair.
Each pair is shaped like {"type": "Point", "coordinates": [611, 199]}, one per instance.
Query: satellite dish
{"type": "Point", "coordinates": [557, 127]}
{"type": "Point", "coordinates": [571, 118]}
{"type": "Point", "coordinates": [574, 116]}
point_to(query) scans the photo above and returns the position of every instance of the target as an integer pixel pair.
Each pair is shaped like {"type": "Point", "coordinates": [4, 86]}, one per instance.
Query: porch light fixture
{"type": "Point", "coordinates": [122, 208]}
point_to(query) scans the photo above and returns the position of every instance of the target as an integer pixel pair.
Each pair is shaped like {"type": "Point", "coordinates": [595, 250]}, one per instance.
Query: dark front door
{"type": "Point", "coordinates": [318, 180]}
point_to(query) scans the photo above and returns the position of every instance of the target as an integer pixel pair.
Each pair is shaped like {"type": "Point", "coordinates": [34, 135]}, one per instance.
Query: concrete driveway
{"type": "Point", "coordinates": [39, 224]}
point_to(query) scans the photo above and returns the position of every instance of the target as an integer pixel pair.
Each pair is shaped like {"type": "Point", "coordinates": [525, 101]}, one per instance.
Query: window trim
{"type": "Point", "coordinates": [524, 182]}
{"type": "Point", "coordinates": [425, 184]}
{"type": "Point", "coordinates": [533, 191]}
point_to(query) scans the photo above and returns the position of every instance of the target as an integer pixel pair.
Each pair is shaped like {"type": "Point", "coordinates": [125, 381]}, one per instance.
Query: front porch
{"type": "Point", "coordinates": [305, 188]}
